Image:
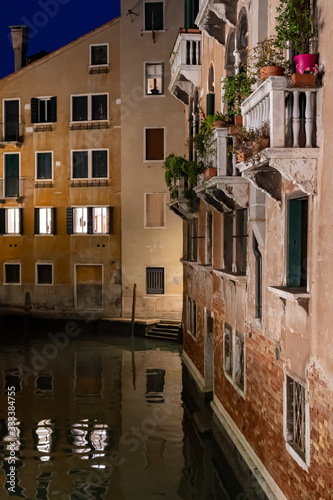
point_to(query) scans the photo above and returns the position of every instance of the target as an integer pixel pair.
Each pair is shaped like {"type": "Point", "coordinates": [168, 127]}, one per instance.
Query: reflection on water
{"type": "Point", "coordinates": [99, 421]}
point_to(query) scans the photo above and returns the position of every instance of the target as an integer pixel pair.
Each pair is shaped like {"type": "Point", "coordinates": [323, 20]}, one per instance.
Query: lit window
{"type": "Point", "coordinates": [80, 220]}
{"type": "Point", "coordinates": [155, 210]}
{"type": "Point", "coordinates": [99, 55]}
{"type": "Point", "coordinates": [154, 144]}
{"type": "Point", "coordinates": [13, 274]}
{"type": "Point", "coordinates": [154, 16]}
{"type": "Point", "coordinates": [12, 220]}
{"type": "Point", "coordinates": [100, 220]}
{"type": "Point", "coordinates": [154, 79]}
{"type": "Point", "coordinates": [89, 220]}
{"type": "Point", "coordinates": [45, 219]}
{"type": "Point", "coordinates": [44, 165]}
{"type": "Point", "coordinates": [90, 107]}
{"type": "Point", "coordinates": [44, 274]}
{"type": "Point", "coordinates": [90, 164]}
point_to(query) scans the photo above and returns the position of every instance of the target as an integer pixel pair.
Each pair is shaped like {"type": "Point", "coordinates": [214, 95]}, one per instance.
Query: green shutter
{"type": "Point", "coordinates": [34, 110]}
{"type": "Point", "coordinates": [2, 221]}
{"type": "Point", "coordinates": [210, 104]}
{"type": "Point", "coordinates": [54, 220]}
{"type": "Point", "coordinates": [294, 242]}
{"type": "Point", "coordinates": [190, 13]}
{"type": "Point", "coordinates": [90, 220]}
{"type": "Point", "coordinates": [21, 221]}
{"type": "Point", "coordinates": [69, 214]}
{"type": "Point", "coordinates": [53, 109]}
{"type": "Point", "coordinates": [36, 220]}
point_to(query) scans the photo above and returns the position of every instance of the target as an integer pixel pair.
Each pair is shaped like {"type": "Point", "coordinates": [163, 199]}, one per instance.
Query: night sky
{"type": "Point", "coordinates": [53, 23]}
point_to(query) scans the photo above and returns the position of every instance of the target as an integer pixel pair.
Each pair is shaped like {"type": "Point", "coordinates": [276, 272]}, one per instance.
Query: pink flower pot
{"type": "Point", "coordinates": [306, 62]}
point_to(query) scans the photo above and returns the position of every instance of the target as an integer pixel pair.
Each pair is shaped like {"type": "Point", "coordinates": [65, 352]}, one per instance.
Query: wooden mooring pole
{"type": "Point", "coordinates": [133, 309]}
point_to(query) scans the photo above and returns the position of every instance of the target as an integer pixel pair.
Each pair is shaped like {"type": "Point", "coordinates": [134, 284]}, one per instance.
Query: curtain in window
{"type": "Point", "coordinates": [99, 164]}
{"type": "Point", "coordinates": [80, 164]}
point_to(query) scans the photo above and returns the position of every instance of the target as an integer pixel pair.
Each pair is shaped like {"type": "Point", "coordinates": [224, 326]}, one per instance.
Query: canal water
{"type": "Point", "coordinates": [86, 415]}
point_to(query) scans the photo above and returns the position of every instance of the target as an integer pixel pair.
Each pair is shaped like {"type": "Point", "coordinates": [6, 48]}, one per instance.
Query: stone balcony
{"type": "Point", "coordinates": [185, 64]}
{"type": "Point", "coordinates": [179, 204]}
{"type": "Point", "coordinates": [293, 119]}
{"type": "Point", "coordinates": [214, 15]}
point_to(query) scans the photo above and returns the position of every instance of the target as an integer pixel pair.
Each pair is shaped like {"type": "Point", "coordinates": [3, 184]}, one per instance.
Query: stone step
{"type": "Point", "coordinates": [161, 336]}
{"type": "Point", "coordinates": [164, 330]}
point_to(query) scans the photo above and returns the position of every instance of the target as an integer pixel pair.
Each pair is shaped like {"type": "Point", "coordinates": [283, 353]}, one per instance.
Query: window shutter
{"type": "Point", "coordinates": [2, 221]}
{"type": "Point", "coordinates": [110, 220]}
{"type": "Point", "coordinates": [90, 220]}
{"type": "Point", "coordinates": [21, 221]}
{"type": "Point", "coordinates": [69, 220]}
{"type": "Point", "coordinates": [53, 109]}
{"type": "Point", "coordinates": [54, 221]}
{"type": "Point", "coordinates": [34, 110]}
{"type": "Point", "coordinates": [210, 104]}
{"type": "Point", "coordinates": [294, 243]}
{"type": "Point", "coordinates": [36, 220]}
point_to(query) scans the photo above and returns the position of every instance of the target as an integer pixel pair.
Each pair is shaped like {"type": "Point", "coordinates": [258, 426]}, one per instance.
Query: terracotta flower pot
{"type": "Point", "coordinates": [267, 71]}
{"type": "Point", "coordinates": [210, 172]}
{"type": "Point", "coordinates": [303, 80]}
{"type": "Point", "coordinates": [233, 129]}
{"type": "Point", "coordinates": [306, 62]}
{"type": "Point", "coordinates": [261, 144]}
{"type": "Point", "coordinates": [219, 124]}
{"type": "Point", "coordinates": [238, 120]}
{"type": "Point", "coordinates": [240, 156]}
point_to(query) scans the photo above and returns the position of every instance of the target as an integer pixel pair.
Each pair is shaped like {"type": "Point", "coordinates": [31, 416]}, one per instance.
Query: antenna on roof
{"type": "Point", "coordinates": [131, 13]}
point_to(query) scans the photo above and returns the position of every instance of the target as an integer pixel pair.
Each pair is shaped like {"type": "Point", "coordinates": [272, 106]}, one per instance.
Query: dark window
{"type": "Point", "coordinates": [228, 350]}
{"type": "Point", "coordinates": [241, 240]}
{"type": "Point", "coordinates": [44, 382]}
{"type": "Point", "coordinates": [228, 240]}
{"type": "Point", "coordinates": [12, 172]}
{"type": "Point", "coordinates": [99, 163]}
{"type": "Point", "coordinates": [258, 277]}
{"type": "Point", "coordinates": [155, 280]}
{"type": "Point", "coordinates": [44, 274]}
{"type": "Point", "coordinates": [209, 237]}
{"type": "Point", "coordinates": [235, 254]}
{"type": "Point", "coordinates": [154, 16]}
{"type": "Point", "coordinates": [80, 108]}
{"type": "Point", "coordinates": [297, 242]}
{"type": "Point", "coordinates": [154, 79]}
{"type": "Point", "coordinates": [99, 107]}
{"type": "Point", "coordinates": [191, 12]}
{"type": "Point", "coordinates": [12, 273]}
{"type": "Point", "coordinates": [44, 110]}
{"type": "Point", "coordinates": [80, 164]}
{"type": "Point", "coordinates": [210, 104]}
{"type": "Point", "coordinates": [12, 118]}
{"type": "Point", "coordinates": [192, 240]}
{"type": "Point", "coordinates": [239, 362]}
{"type": "Point", "coordinates": [296, 416]}
{"type": "Point", "coordinates": [44, 165]}
{"type": "Point", "coordinates": [154, 144]}
{"type": "Point", "coordinates": [99, 55]}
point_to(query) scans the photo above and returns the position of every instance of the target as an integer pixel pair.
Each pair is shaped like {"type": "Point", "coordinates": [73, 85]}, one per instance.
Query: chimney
{"type": "Point", "coordinates": [20, 35]}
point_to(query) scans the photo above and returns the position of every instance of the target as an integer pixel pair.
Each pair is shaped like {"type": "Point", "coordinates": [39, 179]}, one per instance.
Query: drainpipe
{"type": "Point", "coordinates": [20, 35]}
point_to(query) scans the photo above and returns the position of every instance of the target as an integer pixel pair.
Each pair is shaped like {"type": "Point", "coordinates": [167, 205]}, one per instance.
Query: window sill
{"type": "Point", "coordinates": [193, 337]}
{"type": "Point", "coordinates": [87, 125]}
{"type": "Point", "coordinates": [44, 183]}
{"type": "Point", "coordinates": [43, 127]}
{"type": "Point", "coordinates": [297, 457]}
{"type": "Point", "coordinates": [231, 276]}
{"type": "Point", "coordinates": [98, 68]}
{"type": "Point", "coordinates": [154, 95]}
{"type": "Point", "coordinates": [89, 182]}
{"type": "Point", "coordinates": [235, 386]}
{"type": "Point", "coordinates": [295, 294]}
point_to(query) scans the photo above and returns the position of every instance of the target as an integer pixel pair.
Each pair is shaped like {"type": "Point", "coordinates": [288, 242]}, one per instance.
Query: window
{"type": "Point", "coordinates": [11, 113]}
{"type": "Point", "coordinates": [234, 358]}
{"type": "Point", "coordinates": [191, 12]}
{"type": "Point", "coordinates": [192, 240]}
{"type": "Point", "coordinates": [99, 54]}
{"type": "Point", "coordinates": [155, 280]}
{"type": "Point", "coordinates": [208, 239]}
{"type": "Point", "coordinates": [12, 175]}
{"type": "Point", "coordinates": [90, 107]}
{"type": "Point", "coordinates": [90, 164]}
{"type": "Point", "coordinates": [44, 165]}
{"type": "Point", "coordinates": [11, 220]}
{"type": "Point", "coordinates": [258, 277]}
{"type": "Point", "coordinates": [12, 274]}
{"type": "Point", "coordinates": [45, 220]}
{"type": "Point", "coordinates": [297, 242]}
{"type": "Point", "coordinates": [43, 110]}
{"type": "Point", "coordinates": [154, 78]}
{"type": "Point", "coordinates": [44, 274]}
{"type": "Point", "coordinates": [155, 210]}
{"type": "Point", "coordinates": [191, 316]}
{"type": "Point", "coordinates": [89, 220]}
{"type": "Point", "coordinates": [235, 241]}
{"type": "Point", "coordinates": [154, 144]}
{"type": "Point", "coordinates": [153, 16]}
{"type": "Point", "coordinates": [295, 417]}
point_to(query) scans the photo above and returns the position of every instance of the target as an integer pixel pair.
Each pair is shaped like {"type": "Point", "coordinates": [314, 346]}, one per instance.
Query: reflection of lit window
{"type": "Point", "coordinates": [44, 433]}
{"type": "Point", "coordinates": [80, 433]}
{"type": "Point", "coordinates": [13, 438]}
{"type": "Point", "coordinates": [98, 439]}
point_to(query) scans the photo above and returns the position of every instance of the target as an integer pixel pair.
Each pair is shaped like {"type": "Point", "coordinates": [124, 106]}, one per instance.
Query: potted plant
{"type": "Point", "coordinates": [220, 120]}
{"type": "Point", "coordinates": [237, 88]}
{"type": "Point", "coordinates": [296, 24]}
{"type": "Point", "coordinates": [268, 58]}
{"type": "Point", "coordinates": [177, 167]}
{"type": "Point", "coordinates": [248, 143]}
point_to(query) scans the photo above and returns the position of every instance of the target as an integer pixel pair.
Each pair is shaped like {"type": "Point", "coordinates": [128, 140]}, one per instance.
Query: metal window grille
{"type": "Point", "coordinates": [296, 415]}
{"type": "Point", "coordinates": [155, 280]}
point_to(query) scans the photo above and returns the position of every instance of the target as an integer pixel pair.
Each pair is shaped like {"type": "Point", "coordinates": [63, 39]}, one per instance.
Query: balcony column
{"type": "Point", "coordinates": [277, 119]}
{"type": "Point", "coordinates": [309, 118]}
{"type": "Point", "coordinates": [296, 119]}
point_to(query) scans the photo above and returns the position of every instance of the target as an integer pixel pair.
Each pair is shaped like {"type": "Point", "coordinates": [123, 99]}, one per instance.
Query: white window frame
{"type": "Point", "coordinates": [4, 176]}
{"type": "Point", "coordinates": [75, 284]}
{"type": "Point", "coordinates": [6, 221]}
{"type": "Point", "coordinates": [107, 227]}
{"type": "Point", "coordinates": [36, 165]}
{"type": "Point", "coordinates": [190, 317]}
{"type": "Point", "coordinates": [303, 464]}
{"type": "Point", "coordinates": [90, 165]}
{"type": "Point", "coordinates": [41, 263]}
{"type": "Point", "coordinates": [99, 45]}
{"type": "Point", "coordinates": [144, 144]}
{"type": "Point", "coordinates": [3, 112]}
{"type": "Point", "coordinates": [144, 16]}
{"type": "Point", "coordinates": [145, 210]}
{"type": "Point", "coordinates": [44, 98]}
{"type": "Point", "coordinates": [89, 96]}
{"type": "Point", "coordinates": [82, 232]}
{"type": "Point", "coordinates": [45, 234]}
{"type": "Point", "coordinates": [231, 378]}
{"type": "Point", "coordinates": [16, 263]}
{"type": "Point", "coordinates": [145, 64]}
